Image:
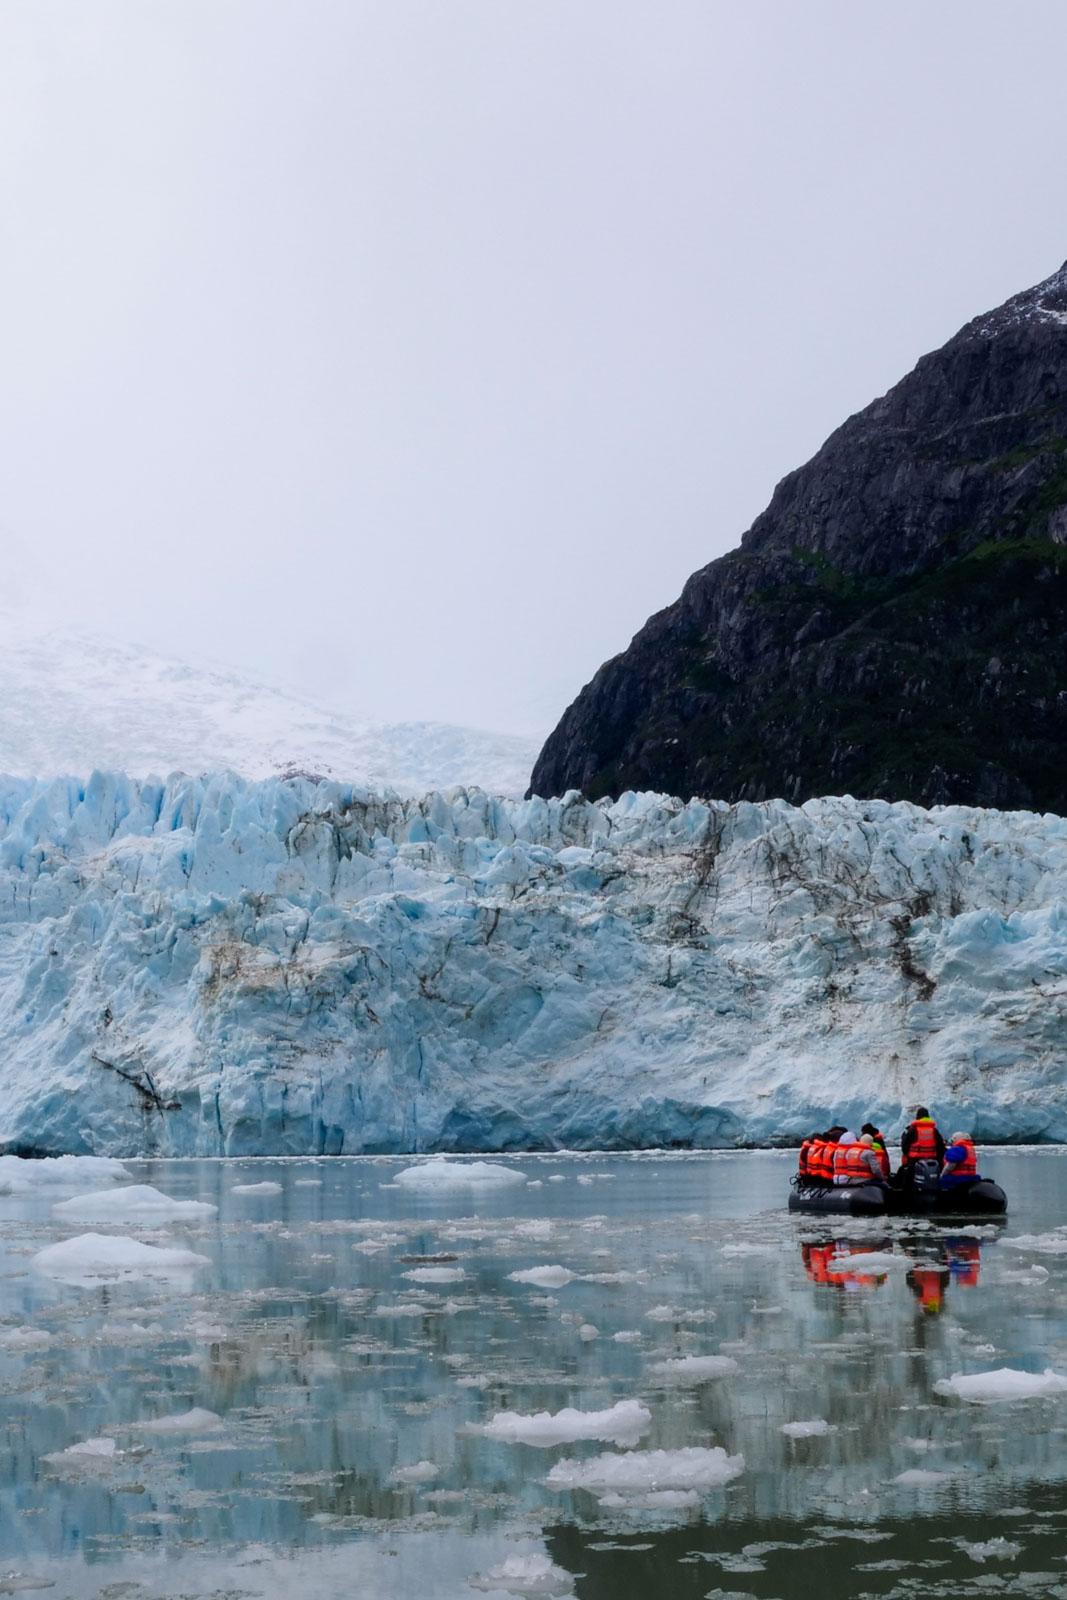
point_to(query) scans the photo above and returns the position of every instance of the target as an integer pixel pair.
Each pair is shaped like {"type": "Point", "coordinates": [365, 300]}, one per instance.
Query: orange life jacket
{"type": "Point", "coordinates": [924, 1145]}
{"type": "Point", "coordinates": [821, 1161]}
{"type": "Point", "coordinates": [851, 1165]}
{"type": "Point", "coordinates": [968, 1167]}
{"type": "Point", "coordinates": [802, 1160]}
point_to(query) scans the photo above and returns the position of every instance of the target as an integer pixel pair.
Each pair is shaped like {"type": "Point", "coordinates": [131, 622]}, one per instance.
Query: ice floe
{"type": "Point", "coordinates": [95, 1257]}
{"type": "Point", "coordinates": [1002, 1384]}
{"type": "Point", "coordinates": [137, 1202]}
{"type": "Point", "coordinates": [622, 1424]}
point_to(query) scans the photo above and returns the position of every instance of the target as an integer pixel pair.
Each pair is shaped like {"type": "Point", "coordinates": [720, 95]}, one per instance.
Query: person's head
{"type": "Point", "coordinates": [920, 1111]}
{"type": "Point", "coordinates": [866, 1139]}
{"type": "Point", "coordinates": [869, 1127]}
{"type": "Point", "coordinates": [959, 1136]}
{"type": "Point", "coordinates": [834, 1133]}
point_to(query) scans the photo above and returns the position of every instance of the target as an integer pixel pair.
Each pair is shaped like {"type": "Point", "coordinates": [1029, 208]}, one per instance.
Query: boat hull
{"type": "Point", "coordinates": [982, 1198]}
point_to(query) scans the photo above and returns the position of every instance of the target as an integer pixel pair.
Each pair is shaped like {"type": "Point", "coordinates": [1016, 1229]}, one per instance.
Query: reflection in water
{"type": "Point", "coordinates": [348, 1388]}
{"type": "Point", "coordinates": [941, 1261]}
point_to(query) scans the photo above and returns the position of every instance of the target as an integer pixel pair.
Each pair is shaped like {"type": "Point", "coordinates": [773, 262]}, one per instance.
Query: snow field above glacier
{"type": "Point", "coordinates": [219, 966]}
{"type": "Point", "coordinates": [72, 701]}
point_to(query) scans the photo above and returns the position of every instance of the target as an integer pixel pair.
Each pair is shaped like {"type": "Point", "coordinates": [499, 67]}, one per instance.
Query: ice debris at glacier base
{"type": "Point", "coordinates": [218, 966]}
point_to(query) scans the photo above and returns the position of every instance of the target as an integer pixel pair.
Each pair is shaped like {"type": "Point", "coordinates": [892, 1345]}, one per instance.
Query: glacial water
{"type": "Point", "coordinates": [333, 1450]}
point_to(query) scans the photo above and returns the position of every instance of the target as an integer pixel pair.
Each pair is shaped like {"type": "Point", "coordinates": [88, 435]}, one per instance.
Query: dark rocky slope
{"type": "Point", "coordinates": [893, 624]}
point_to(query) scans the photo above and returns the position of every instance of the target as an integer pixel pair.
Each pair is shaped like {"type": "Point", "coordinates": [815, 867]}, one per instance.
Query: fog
{"type": "Point", "coordinates": [411, 354]}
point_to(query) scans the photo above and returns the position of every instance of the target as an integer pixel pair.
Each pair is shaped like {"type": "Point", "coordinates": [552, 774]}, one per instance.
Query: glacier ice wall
{"type": "Point", "coordinates": [218, 966]}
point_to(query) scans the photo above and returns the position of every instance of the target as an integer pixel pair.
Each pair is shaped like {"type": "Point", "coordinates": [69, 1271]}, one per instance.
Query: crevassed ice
{"type": "Point", "coordinates": [300, 967]}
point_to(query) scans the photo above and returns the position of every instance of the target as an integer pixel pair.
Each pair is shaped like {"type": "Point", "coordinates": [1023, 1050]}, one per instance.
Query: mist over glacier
{"type": "Point", "coordinates": [221, 966]}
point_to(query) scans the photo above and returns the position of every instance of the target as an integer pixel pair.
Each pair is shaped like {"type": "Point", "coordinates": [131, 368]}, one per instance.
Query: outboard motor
{"type": "Point", "coordinates": [925, 1180]}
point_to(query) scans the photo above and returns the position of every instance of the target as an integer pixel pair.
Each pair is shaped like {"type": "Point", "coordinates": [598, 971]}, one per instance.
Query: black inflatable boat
{"type": "Point", "coordinates": [923, 1197]}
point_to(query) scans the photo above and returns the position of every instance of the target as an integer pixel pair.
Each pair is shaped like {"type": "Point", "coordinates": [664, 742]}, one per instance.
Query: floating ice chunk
{"type": "Point", "coordinates": [588, 1332]}
{"type": "Point", "coordinates": [807, 1430]}
{"type": "Point", "coordinates": [627, 1336]}
{"type": "Point", "coordinates": [404, 1308]}
{"type": "Point", "coordinates": [1048, 1244]}
{"type": "Point", "coordinates": [92, 1257]}
{"type": "Point", "coordinates": [694, 1467]}
{"type": "Point", "coordinates": [24, 1339]}
{"type": "Point", "coordinates": [622, 1424]}
{"type": "Point", "coordinates": [197, 1420]}
{"type": "Point", "coordinates": [659, 1500]}
{"type": "Point", "coordinates": [680, 1314]}
{"type": "Point", "coordinates": [137, 1202]}
{"type": "Point", "coordinates": [526, 1575]}
{"type": "Point", "coordinates": [537, 1228]}
{"type": "Point", "coordinates": [922, 1478]}
{"type": "Point", "coordinates": [435, 1274]}
{"type": "Point", "coordinates": [440, 1176]}
{"type": "Point", "coordinates": [21, 1176]}
{"type": "Point", "coordinates": [87, 1452]}
{"type": "Point", "coordinates": [128, 1333]}
{"type": "Point", "coordinates": [998, 1549]}
{"type": "Point", "coordinates": [266, 1187]}
{"type": "Point", "coordinates": [544, 1277]}
{"type": "Point", "coordinates": [418, 1472]}
{"type": "Point", "coordinates": [695, 1369]}
{"type": "Point", "coordinates": [307, 1183]}
{"type": "Point", "coordinates": [871, 1261]}
{"type": "Point", "coordinates": [1005, 1383]}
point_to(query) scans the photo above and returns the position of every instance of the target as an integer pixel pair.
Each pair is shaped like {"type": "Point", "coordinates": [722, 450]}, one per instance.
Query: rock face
{"type": "Point", "coordinates": [215, 966]}
{"type": "Point", "coordinates": [894, 624]}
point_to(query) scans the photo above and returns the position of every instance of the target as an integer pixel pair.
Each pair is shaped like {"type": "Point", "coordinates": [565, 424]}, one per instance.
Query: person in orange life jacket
{"type": "Point", "coordinates": [961, 1162]}
{"type": "Point", "coordinates": [881, 1149]}
{"type": "Point", "coordinates": [821, 1158]}
{"type": "Point", "coordinates": [855, 1160]}
{"type": "Point", "coordinates": [803, 1172]}
{"type": "Point", "coordinates": [921, 1140]}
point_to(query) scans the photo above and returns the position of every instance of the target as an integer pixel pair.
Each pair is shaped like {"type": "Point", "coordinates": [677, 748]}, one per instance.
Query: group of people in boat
{"type": "Point", "coordinates": [842, 1156]}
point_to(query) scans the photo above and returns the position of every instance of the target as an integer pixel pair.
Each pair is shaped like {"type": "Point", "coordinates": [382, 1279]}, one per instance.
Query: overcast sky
{"type": "Point", "coordinates": [410, 353]}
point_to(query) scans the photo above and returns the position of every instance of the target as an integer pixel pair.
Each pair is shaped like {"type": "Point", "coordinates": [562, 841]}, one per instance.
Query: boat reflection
{"type": "Point", "coordinates": [851, 1265]}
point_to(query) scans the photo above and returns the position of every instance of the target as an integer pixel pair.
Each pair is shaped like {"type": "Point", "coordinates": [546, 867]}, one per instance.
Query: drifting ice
{"type": "Point", "coordinates": [622, 1424]}
{"type": "Point", "coordinates": [91, 1257]}
{"type": "Point", "coordinates": [1005, 1383]}
{"type": "Point", "coordinates": [138, 1202]}
{"type": "Point", "coordinates": [657, 1470]}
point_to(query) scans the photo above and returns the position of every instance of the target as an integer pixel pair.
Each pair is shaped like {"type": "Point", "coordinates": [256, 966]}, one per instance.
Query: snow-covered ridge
{"type": "Point", "coordinates": [72, 702]}
{"type": "Point", "coordinates": [215, 965]}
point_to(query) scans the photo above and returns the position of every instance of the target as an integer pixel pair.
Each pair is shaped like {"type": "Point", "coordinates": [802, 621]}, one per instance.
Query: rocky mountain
{"type": "Point", "coordinates": [894, 624]}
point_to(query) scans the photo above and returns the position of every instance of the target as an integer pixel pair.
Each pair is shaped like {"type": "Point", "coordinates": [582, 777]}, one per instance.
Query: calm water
{"type": "Point", "coordinates": [330, 1370]}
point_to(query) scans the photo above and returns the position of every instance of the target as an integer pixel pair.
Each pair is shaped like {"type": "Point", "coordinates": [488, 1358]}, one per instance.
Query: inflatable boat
{"type": "Point", "coordinates": [925, 1197]}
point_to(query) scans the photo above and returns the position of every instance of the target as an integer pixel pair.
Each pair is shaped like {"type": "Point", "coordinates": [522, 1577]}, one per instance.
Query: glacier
{"type": "Point", "coordinates": [221, 966]}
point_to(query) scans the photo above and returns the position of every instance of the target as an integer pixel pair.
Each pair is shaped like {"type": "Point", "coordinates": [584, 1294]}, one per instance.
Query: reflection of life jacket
{"type": "Point", "coordinates": [817, 1258]}
{"type": "Point", "coordinates": [929, 1284]}
{"type": "Point", "coordinates": [924, 1145]}
{"type": "Point", "coordinates": [964, 1261]}
{"type": "Point", "coordinates": [850, 1164]}
{"type": "Point", "coordinates": [802, 1160]}
{"type": "Point", "coordinates": [968, 1167]}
